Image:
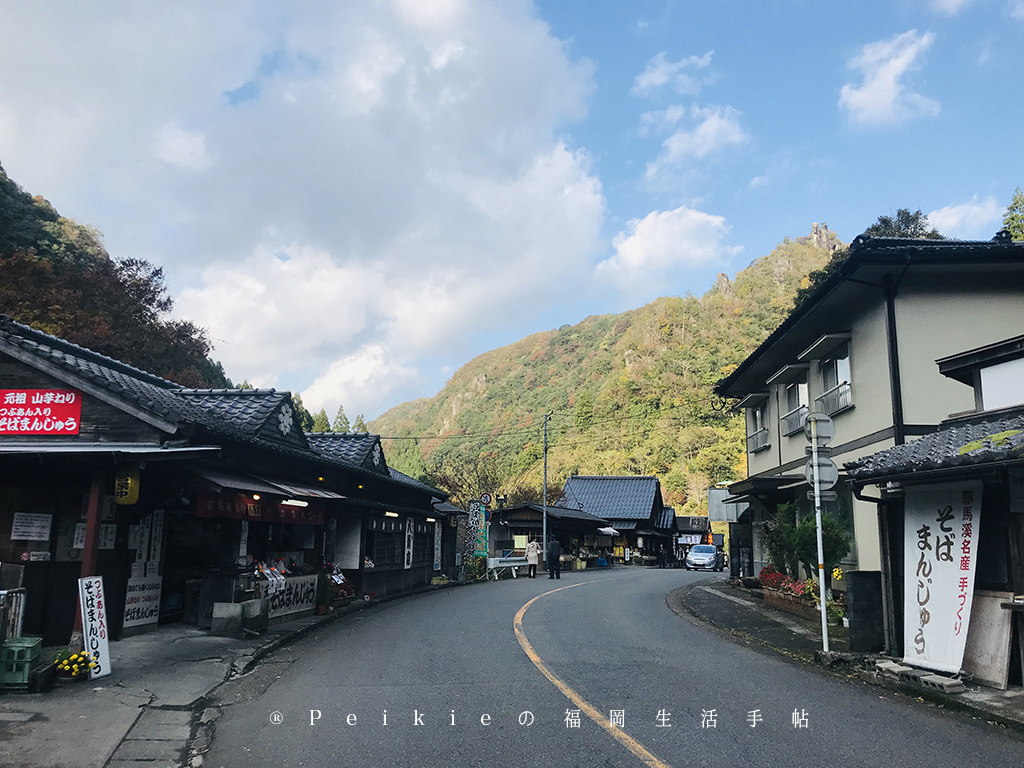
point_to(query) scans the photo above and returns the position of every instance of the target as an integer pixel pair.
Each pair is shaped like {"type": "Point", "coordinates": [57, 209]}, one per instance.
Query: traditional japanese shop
{"type": "Point", "coordinates": [578, 532]}
{"type": "Point", "coordinates": [181, 498]}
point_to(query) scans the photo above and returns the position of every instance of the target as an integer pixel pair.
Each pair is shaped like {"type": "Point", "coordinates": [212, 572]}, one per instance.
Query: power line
{"type": "Point", "coordinates": [659, 413]}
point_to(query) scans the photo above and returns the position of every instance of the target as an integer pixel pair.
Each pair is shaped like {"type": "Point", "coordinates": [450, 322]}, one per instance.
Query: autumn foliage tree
{"type": "Point", "coordinates": [56, 276]}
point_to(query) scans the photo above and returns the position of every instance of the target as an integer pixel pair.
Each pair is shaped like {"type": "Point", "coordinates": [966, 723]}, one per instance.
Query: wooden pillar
{"type": "Point", "coordinates": [90, 555]}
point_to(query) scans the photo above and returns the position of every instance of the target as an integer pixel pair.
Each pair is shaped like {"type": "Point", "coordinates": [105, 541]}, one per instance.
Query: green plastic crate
{"type": "Point", "coordinates": [21, 649]}
{"type": "Point", "coordinates": [14, 675]}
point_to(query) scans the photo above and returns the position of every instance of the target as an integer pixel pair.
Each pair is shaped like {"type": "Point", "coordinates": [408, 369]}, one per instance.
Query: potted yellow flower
{"type": "Point", "coordinates": [73, 665]}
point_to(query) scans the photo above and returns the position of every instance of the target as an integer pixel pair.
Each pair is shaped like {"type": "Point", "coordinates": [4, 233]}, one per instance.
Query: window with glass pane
{"type": "Point", "coordinates": [835, 370]}
{"type": "Point", "coordinates": [796, 395]}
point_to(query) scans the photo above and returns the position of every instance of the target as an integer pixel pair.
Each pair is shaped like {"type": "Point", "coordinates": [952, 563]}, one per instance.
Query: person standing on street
{"type": "Point", "coordinates": [554, 559]}
{"type": "Point", "coordinates": [533, 556]}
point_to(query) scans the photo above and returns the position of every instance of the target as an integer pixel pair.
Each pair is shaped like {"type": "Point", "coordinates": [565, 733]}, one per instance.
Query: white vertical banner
{"type": "Point", "coordinates": [410, 535]}
{"type": "Point", "coordinates": [142, 551]}
{"type": "Point", "coordinates": [243, 541]}
{"type": "Point", "coordinates": [437, 545]}
{"type": "Point", "coordinates": [156, 540]}
{"type": "Point", "coordinates": [95, 628]}
{"type": "Point", "coordinates": [940, 548]}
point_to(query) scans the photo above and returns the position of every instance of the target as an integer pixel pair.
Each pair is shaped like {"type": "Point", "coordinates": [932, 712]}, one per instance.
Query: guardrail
{"type": "Point", "coordinates": [758, 441]}
{"type": "Point", "coordinates": [837, 399]}
{"type": "Point", "coordinates": [793, 421]}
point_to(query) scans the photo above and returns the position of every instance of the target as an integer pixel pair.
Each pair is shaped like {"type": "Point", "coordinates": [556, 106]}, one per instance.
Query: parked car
{"type": "Point", "coordinates": [706, 556]}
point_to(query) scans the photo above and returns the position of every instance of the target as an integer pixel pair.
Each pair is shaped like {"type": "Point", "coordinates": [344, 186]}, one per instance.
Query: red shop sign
{"type": "Point", "coordinates": [238, 506]}
{"type": "Point", "coordinates": [40, 411]}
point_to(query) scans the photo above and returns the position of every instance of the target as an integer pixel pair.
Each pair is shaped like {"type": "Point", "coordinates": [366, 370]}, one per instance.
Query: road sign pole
{"type": "Point", "coordinates": [817, 520]}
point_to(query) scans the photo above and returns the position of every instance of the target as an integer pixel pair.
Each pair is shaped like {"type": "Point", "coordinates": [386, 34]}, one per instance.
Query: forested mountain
{"type": "Point", "coordinates": [628, 393]}
{"type": "Point", "coordinates": [55, 275]}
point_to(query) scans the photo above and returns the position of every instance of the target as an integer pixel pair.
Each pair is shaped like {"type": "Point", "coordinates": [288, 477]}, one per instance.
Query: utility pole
{"type": "Point", "coordinates": [821, 474]}
{"type": "Point", "coordinates": [547, 416]}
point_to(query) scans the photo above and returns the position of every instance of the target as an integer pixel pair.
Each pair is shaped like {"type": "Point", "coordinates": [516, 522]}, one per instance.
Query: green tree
{"type": "Point", "coordinates": [320, 422]}
{"type": "Point", "coordinates": [835, 544]}
{"type": "Point", "coordinates": [246, 385]}
{"type": "Point", "coordinates": [584, 411]}
{"type": "Point", "coordinates": [341, 421]}
{"type": "Point", "coordinates": [779, 538]}
{"type": "Point", "coordinates": [905, 224]}
{"type": "Point", "coordinates": [305, 417]}
{"type": "Point", "coordinates": [1013, 220]}
{"type": "Point", "coordinates": [55, 275]}
{"type": "Point", "coordinates": [360, 425]}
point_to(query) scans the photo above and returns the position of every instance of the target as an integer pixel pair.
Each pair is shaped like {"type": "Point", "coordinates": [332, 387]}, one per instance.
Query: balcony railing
{"type": "Point", "coordinates": [758, 441]}
{"type": "Point", "coordinates": [793, 421]}
{"type": "Point", "coordinates": [837, 399]}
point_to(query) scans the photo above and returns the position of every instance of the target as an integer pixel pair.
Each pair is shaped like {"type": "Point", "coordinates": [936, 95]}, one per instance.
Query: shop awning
{"type": "Point", "coordinates": [137, 451]}
{"type": "Point", "coordinates": [761, 488]}
{"type": "Point", "coordinates": [226, 481]}
{"type": "Point", "coordinates": [249, 484]}
{"type": "Point", "coordinates": [304, 491]}
{"type": "Point", "coordinates": [607, 532]}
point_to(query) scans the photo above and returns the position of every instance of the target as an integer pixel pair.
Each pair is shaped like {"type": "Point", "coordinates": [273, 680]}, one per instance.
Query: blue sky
{"type": "Point", "coordinates": [357, 198]}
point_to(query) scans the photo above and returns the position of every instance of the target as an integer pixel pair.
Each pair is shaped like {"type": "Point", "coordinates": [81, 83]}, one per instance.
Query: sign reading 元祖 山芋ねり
{"type": "Point", "coordinates": [940, 552]}
{"type": "Point", "coordinates": [40, 411]}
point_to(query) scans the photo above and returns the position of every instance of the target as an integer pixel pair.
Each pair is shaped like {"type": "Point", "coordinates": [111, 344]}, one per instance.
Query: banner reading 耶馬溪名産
{"type": "Point", "coordinates": [940, 545]}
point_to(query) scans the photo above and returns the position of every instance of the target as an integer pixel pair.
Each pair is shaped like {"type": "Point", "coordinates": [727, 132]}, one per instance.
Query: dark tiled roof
{"type": "Point", "coordinates": [890, 251]}
{"type": "Point", "coordinates": [353, 447]}
{"type": "Point", "coordinates": [404, 478]}
{"type": "Point", "coordinates": [149, 392]}
{"type": "Point", "coordinates": [246, 409]}
{"type": "Point", "coordinates": [983, 439]}
{"type": "Point", "coordinates": [695, 524]}
{"type": "Point", "coordinates": [667, 519]}
{"type": "Point", "coordinates": [234, 414]}
{"type": "Point", "coordinates": [563, 513]}
{"type": "Point", "coordinates": [447, 508]}
{"type": "Point", "coordinates": [610, 497]}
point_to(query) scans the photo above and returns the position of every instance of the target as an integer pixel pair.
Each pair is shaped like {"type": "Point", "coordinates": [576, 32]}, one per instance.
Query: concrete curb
{"type": "Point", "coordinates": [873, 669]}
{"type": "Point", "coordinates": [204, 717]}
{"type": "Point", "coordinates": [262, 651]}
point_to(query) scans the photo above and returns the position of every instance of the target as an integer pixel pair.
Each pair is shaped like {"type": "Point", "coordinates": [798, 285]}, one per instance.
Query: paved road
{"type": "Point", "coordinates": [602, 641]}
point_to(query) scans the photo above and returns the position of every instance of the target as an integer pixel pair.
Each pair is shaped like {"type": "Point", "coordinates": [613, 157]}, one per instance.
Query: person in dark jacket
{"type": "Point", "coordinates": [554, 559]}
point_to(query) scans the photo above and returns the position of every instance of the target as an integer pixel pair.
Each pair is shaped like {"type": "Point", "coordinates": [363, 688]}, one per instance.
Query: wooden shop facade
{"type": "Point", "coordinates": [182, 498]}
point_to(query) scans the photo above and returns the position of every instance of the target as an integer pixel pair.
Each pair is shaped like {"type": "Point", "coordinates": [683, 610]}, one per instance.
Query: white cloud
{"type": "Point", "coordinates": [185, 149]}
{"type": "Point", "coordinates": [949, 7]}
{"type": "Point", "coordinates": [717, 128]}
{"type": "Point", "coordinates": [1017, 9]}
{"type": "Point", "coordinates": [366, 376]}
{"type": "Point", "coordinates": [883, 96]}
{"type": "Point", "coordinates": [674, 74]}
{"type": "Point", "coordinates": [975, 219]}
{"type": "Point", "coordinates": [664, 241]}
{"type": "Point", "coordinates": [661, 120]}
{"type": "Point", "coordinates": [289, 312]}
{"type": "Point", "coordinates": [377, 177]}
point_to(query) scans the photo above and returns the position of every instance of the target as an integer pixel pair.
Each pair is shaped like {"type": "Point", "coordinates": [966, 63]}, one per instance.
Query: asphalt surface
{"type": "Point", "coordinates": [606, 640]}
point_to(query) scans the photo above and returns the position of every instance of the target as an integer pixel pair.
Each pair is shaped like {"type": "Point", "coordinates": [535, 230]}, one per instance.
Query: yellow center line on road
{"type": "Point", "coordinates": [584, 706]}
